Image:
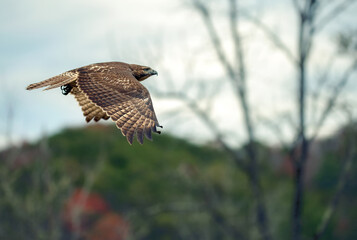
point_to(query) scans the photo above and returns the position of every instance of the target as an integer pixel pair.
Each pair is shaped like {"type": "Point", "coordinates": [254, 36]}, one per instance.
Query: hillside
{"type": "Point", "coordinates": [165, 189]}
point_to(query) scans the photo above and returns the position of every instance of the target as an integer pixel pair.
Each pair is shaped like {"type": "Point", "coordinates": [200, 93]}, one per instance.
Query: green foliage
{"type": "Point", "coordinates": [328, 175]}
{"type": "Point", "coordinates": [165, 189]}
{"type": "Point", "coordinates": [165, 174]}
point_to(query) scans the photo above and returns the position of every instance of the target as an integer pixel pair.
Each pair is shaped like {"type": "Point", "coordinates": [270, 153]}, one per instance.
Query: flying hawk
{"type": "Point", "coordinates": [111, 90]}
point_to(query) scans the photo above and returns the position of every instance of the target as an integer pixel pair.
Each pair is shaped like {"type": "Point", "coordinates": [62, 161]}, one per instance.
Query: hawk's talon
{"type": "Point", "coordinates": [66, 89]}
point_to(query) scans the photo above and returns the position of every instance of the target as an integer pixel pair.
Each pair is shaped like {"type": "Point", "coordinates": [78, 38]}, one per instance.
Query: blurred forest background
{"type": "Point", "coordinates": [260, 136]}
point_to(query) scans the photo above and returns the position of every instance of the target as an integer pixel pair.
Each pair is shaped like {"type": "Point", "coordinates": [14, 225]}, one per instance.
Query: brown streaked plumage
{"type": "Point", "coordinates": [111, 90]}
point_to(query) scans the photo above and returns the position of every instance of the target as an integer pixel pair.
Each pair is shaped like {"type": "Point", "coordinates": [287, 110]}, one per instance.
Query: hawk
{"type": "Point", "coordinates": [111, 90]}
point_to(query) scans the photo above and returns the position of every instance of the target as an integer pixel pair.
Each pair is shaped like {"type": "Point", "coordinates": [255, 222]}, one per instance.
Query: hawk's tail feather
{"type": "Point", "coordinates": [54, 82]}
{"type": "Point", "coordinates": [62, 83]}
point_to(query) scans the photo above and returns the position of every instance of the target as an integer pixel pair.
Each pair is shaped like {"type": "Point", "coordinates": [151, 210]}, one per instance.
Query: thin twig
{"type": "Point", "coordinates": [274, 38]}
{"type": "Point", "coordinates": [324, 21]}
{"type": "Point", "coordinates": [214, 36]}
{"type": "Point", "coordinates": [275, 128]}
{"type": "Point", "coordinates": [298, 8]}
{"type": "Point", "coordinates": [203, 116]}
{"type": "Point", "coordinates": [240, 64]}
{"type": "Point", "coordinates": [321, 82]}
{"type": "Point", "coordinates": [332, 100]}
{"type": "Point", "coordinates": [343, 178]}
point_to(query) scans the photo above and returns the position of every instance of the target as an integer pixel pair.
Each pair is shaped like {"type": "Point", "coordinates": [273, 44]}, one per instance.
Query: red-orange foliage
{"type": "Point", "coordinates": [110, 227]}
{"type": "Point", "coordinates": [89, 215]}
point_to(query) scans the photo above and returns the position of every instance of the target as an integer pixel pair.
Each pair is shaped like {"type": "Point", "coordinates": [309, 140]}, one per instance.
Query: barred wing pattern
{"type": "Point", "coordinates": [89, 109]}
{"type": "Point", "coordinates": [57, 81]}
{"type": "Point", "coordinates": [123, 98]}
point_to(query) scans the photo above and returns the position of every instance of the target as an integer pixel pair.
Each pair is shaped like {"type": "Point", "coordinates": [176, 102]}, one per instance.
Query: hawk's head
{"type": "Point", "coordinates": [142, 72]}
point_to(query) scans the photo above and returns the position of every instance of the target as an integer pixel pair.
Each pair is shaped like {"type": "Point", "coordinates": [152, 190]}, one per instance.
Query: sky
{"type": "Point", "coordinates": [40, 39]}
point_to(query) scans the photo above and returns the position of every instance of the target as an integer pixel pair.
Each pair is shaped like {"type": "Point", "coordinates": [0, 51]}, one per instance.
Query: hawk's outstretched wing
{"type": "Point", "coordinates": [122, 97]}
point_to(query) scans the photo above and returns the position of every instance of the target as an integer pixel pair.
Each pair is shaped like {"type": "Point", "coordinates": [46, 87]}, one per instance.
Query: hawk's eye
{"type": "Point", "coordinates": [146, 69]}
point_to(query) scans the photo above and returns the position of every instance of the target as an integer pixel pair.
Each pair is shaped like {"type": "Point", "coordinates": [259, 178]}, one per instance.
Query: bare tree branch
{"type": "Point", "coordinates": [274, 38]}
{"type": "Point", "coordinates": [214, 36]}
{"type": "Point", "coordinates": [275, 128]}
{"type": "Point", "coordinates": [304, 44]}
{"type": "Point", "coordinates": [332, 14]}
{"type": "Point", "coordinates": [240, 64]}
{"type": "Point", "coordinates": [332, 100]}
{"type": "Point", "coordinates": [343, 178]}
{"type": "Point", "coordinates": [320, 84]}
{"type": "Point", "coordinates": [307, 28]}
{"type": "Point", "coordinates": [204, 117]}
{"type": "Point", "coordinates": [238, 81]}
{"type": "Point", "coordinates": [298, 8]}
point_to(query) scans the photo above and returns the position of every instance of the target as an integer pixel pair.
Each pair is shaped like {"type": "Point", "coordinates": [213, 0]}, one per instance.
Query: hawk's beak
{"type": "Point", "coordinates": [153, 72]}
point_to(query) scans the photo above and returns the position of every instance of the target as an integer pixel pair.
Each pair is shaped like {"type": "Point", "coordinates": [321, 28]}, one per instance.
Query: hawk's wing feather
{"type": "Point", "coordinates": [57, 81]}
{"type": "Point", "coordinates": [123, 98]}
{"type": "Point", "coordinates": [90, 109]}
